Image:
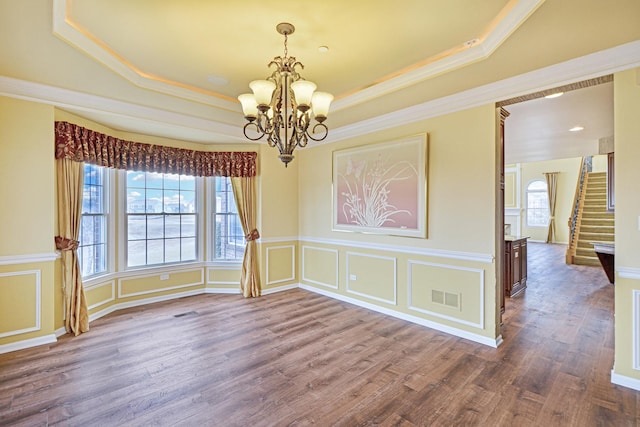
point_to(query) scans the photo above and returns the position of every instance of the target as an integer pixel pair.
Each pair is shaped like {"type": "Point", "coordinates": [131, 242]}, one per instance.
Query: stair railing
{"type": "Point", "coordinates": [585, 168]}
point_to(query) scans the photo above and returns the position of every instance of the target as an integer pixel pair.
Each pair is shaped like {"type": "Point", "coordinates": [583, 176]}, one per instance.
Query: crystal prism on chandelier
{"type": "Point", "coordinates": [282, 106]}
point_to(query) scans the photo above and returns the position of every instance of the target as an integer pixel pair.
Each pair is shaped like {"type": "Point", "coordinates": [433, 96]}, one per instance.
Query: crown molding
{"type": "Point", "coordinates": [72, 34]}
{"type": "Point", "coordinates": [594, 65]}
{"type": "Point", "coordinates": [83, 102]}
{"type": "Point", "coordinates": [586, 67]}
{"type": "Point", "coordinates": [517, 12]}
{"type": "Point", "coordinates": [476, 52]}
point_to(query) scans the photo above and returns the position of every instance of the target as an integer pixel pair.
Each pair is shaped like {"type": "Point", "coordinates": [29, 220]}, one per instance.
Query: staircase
{"type": "Point", "coordinates": [595, 223]}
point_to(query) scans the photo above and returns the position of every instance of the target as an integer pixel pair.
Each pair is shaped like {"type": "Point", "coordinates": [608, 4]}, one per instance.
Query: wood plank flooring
{"type": "Point", "coordinates": [297, 358]}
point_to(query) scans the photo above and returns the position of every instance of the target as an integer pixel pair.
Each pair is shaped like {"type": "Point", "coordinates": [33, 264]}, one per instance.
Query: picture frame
{"type": "Point", "coordinates": [382, 188]}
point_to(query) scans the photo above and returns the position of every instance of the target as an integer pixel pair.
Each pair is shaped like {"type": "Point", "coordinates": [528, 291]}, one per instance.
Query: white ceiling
{"type": "Point", "coordinates": [539, 129]}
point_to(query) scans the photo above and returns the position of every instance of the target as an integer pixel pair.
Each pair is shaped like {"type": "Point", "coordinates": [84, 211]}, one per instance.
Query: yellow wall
{"type": "Point", "coordinates": [460, 181]}
{"type": "Point", "coordinates": [627, 261]}
{"type": "Point", "coordinates": [406, 275]}
{"type": "Point", "coordinates": [27, 221]}
{"type": "Point", "coordinates": [28, 189]}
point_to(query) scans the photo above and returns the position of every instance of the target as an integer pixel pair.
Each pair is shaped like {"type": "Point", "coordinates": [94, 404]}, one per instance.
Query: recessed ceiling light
{"type": "Point", "coordinates": [576, 129]}
{"type": "Point", "coordinates": [554, 95]}
{"type": "Point", "coordinates": [323, 49]}
{"type": "Point", "coordinates": [217, 80]}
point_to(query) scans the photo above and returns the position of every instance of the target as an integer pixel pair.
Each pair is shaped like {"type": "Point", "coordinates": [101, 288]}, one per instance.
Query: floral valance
{"type": "Point", "coordinates": [84, 145]}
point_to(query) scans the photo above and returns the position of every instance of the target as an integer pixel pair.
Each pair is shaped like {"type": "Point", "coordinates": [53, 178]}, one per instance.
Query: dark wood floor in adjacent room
{"type": "Point", "coordinates": [297, 358]}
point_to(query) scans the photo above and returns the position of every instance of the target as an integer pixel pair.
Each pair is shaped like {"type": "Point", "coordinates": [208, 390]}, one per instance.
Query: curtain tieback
{"type": "Point", "coordinates": [552, 218]}
{"type": "Point", "coordinates": [254, 235]}
{"type": "Point", "coordinates": [64, 244]}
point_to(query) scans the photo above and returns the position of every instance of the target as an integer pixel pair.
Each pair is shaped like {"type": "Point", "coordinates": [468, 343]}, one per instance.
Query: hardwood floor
{"type": "Point", "coordinates": [298, 358]}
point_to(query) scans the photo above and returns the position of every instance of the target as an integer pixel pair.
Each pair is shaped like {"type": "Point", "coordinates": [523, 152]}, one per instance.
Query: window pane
{"type": "Point", "coordinates": [137, 253]}
{"type": "Point", "coordinates": [171, 181]}
{"type": "Point", "coordinates": [188, 249]}
{"type": "Point", "coordinates": [171, 201]}
{"type": "Point", "coordinates": [228, 235]}
{"type": "Point", "coordinates": [155, 251]}
{"type": "Point", "coordinates": [96, 199]}
{"type": "Point", "coordinates": [154, 201]}
{"type": "Point", "coordinates": [92, 253]}
{"type": "Point", "coordinates": [537, 204]}
{"type": "Point", "coordinates": [187, 201]}
{"type": "Point", "coordinates": [188, 228]}
{"type": "Point", "coordinates": [160, 200]}
{"type": "Point", "coordinates": [171, 226]}
{"type": "Point", "coordinates": [537, 186]}
{"type": "Point", "coordinates": [99, 229]}
{"type": "Point", "coordinates": [86, 229]}
{"type": "Point", "coordinates": [155, 226]}
{"type": "Point", "coordinates": [100, 257]}
{"type": "Point", "coordinates": [136, 227]}
{"type": "Point", "coordinates": [136, 200]}
{"type": "Point", "coordinates": [154, 180]}
{"type": "Point", "coordinates": [187, 183]}
{"type": "Point", "coordinates": [87, 260]}
{"type": "Point", "coordinates": [172, 250]}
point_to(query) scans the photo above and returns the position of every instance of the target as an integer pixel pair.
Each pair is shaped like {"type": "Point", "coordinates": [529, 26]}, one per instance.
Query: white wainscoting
{"type": "Point", "coordinates": [293, 265]}
{"type": "Point", "coordinates": [38, 301]}
{"type": "Point", "coordinates": [481, 286]}
{"type": "Point", "coordinates": [317, 282]}
{"type": "Point", "coordinates": [392, 301]}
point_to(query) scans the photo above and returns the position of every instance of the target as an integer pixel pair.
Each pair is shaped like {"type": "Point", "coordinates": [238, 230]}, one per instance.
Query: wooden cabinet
{"type": "Point", "coordinates": [515, 266]}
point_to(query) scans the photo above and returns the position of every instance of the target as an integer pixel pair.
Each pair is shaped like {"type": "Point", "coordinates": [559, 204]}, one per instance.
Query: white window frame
{"type": "Point", "coordinates": [123, 234]}
{"type": "Point", "coordinates": [109, 195]}
{"type": "Point", "coordinates": [528, 192]}
{"type": "Point", "coordinates": [211, 226]}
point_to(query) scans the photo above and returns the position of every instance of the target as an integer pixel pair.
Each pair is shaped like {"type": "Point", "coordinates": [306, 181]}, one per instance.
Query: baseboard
{"type": "Point", "coordinates": [144, 301]}
{"type": "Point", "coordinates": [221, 290]}
{"type": "Point", "coordinates": [33, 342]}
{"type": "Point", "coordinates": [279, 289]}
{"type": "Point", "coordinates": [491, 342]}
{"type": "Point", "coordinates": [48, 339]}
{"type": "Point", "coordinates": [632, 383]}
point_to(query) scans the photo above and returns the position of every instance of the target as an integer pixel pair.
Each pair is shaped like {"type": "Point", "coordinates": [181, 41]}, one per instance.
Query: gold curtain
{"type": "Point", "coordinates": [244, 193]}
{"type": "Point", "coordinates": [70, 180]}
{"type": "Point", "coordinates": [551, 178]}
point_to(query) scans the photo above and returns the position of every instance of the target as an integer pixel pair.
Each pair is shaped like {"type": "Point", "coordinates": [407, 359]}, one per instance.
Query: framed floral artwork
{"type": "Point", "coordinates": [382, 188]}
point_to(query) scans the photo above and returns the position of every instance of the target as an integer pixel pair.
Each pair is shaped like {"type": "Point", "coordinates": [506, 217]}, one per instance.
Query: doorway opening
{"type": "Point", "coordinates": [551, 132]}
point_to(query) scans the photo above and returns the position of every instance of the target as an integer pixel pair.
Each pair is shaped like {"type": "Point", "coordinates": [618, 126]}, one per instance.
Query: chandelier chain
{"type": "Point", "coordinates": [286, 49]}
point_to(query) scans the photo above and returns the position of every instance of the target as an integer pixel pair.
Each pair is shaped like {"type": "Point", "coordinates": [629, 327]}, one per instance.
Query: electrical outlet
{"type": "Point", "coordinates": [164, 277]}
{"type": "Point", "coordinates": [353, 277]}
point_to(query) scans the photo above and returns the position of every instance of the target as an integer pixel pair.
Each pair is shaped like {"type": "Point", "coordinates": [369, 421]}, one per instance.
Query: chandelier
{"type": "Point", "coordinates": [281, 107]}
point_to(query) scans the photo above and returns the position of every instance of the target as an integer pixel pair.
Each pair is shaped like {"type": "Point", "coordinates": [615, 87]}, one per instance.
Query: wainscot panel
{"type": "Point", "coordinates": [20, 302]}
{"type": "Point", "coordinates": [447, 291]}
{"type": "Point", "coordinates": [159, 282]}
{"type": "Point", "coordinates": [224, 276]}
{"type": "Point", "coordinates": [320, 266]}
{"type": "Point", "coordinates": [280, 264]}
{"type": "Point", "coordinates": [26, 302]}
{"type": "Point", "coordinates": [372, 276]}
{"type": "Point", "coordinates": [100, 294]}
